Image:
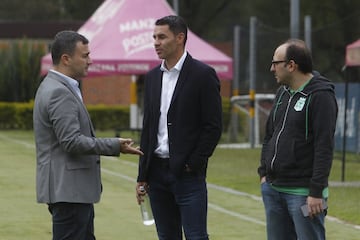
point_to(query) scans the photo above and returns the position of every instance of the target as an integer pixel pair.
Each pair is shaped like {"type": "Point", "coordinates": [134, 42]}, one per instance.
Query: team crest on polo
{"type": "Point", "coordinates": [300, 104]}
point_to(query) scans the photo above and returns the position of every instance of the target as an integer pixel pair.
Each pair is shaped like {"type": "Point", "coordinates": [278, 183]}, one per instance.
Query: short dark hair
{"type": "Point", "coordinates": [298, 52]}
{"type": "Point", "coordinates": [176, 24]}
{"type": "Point", "coordinates": [65, 43]}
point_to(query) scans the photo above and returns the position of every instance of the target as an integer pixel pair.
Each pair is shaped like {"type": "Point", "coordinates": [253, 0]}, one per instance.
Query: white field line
{"type": "Point", "coordinates": [211, 205]}
{"type": "Point", "coordinates": [213, 186]}
{"type": "Point", "coordinates": [235, 214]}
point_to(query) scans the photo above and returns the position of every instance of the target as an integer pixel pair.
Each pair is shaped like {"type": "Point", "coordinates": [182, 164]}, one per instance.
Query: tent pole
{"type": "Point", "coordinates": [176, 6]}
{"type": "Point", "coordinates": [233, 128]}
{"type": "Point", "coordinates": [252, 79]}
{"type": "Point", "coordinates": [345, 127]}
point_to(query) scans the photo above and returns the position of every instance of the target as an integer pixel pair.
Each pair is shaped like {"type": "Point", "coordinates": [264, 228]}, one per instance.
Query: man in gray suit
{"type": "Point", "coordinates": [68, 153]}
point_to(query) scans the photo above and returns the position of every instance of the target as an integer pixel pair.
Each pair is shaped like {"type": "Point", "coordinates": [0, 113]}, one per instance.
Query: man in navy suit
{"type": "Point", "coordinates": [182, 126]}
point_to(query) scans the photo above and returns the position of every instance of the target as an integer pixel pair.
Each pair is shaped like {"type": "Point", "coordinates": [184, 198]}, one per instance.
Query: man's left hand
{"type": "Point", "coordinates": [315, 206]}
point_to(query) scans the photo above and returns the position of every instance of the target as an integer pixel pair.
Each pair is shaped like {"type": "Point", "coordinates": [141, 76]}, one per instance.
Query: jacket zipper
{"type": "Point", "coordinates": [281, 130]}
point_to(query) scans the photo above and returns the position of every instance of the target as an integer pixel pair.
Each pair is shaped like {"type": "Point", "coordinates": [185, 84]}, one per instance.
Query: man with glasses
{"type": "Point", "coordinates": [298, 147]}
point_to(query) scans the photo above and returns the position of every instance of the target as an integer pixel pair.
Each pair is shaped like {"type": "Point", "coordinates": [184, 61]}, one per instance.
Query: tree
{"type": "Point", "coordinates": [335, 24]}
{"type": "Point", "coordinates": [19, 71]}
{"type": "Point", "coordinates": [47, 10]}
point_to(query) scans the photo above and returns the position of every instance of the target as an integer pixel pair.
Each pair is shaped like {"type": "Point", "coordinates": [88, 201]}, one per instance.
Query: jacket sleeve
{"type": "Point", "coordinates": [72, 126]}
{"type": "Point", "coordinates": [211, 120]}
{"type": "Point", "coordinates": [268, 135]}
{"type": "Point", "coordinates": [269, 129]}
{"type": "Point", "coordinates": [323, 118]}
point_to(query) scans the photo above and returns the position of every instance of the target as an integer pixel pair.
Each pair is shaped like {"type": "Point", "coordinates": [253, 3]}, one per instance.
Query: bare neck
{"type": "Point", "coordinates": [171, 61]}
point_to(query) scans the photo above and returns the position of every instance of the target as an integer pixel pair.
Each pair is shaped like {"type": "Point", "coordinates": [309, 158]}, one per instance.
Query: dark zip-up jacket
{"type": "Point", "coordinates": [299, 139]}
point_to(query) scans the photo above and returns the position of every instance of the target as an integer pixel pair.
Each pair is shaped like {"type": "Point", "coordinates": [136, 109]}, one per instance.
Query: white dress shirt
{"type": "Point", "coordinates": [169, 80]}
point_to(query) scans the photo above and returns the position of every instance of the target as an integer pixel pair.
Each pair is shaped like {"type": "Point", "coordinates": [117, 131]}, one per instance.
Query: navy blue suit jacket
{"type": "Point", "coordinates": [194, 118]}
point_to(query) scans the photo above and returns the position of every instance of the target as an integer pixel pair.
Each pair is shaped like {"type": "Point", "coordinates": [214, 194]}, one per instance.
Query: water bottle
{"type": "Point", "coordinates": [145, 208]}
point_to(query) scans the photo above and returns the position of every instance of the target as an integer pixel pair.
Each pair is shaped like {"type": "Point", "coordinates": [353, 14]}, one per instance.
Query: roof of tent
{"type": "Point", "coordinates": [120, 34]}
{"type": "Point", "coordinates": [352, 58]}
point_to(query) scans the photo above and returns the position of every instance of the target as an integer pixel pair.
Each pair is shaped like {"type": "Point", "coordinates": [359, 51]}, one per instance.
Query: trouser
{"type": "Point", "coordinates": [178, 203]}
{"type": "Point", "coordinates": [72, 221]}
{"type": "Point", "coordinates": [284, 218]}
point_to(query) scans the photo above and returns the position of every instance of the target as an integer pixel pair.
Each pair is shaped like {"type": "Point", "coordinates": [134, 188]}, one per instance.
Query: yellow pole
{"type": "Point", "coordinates": [134, 121]}
{"type": "Point", "coordinates": [252, 103]}
{"type": "Point", "coordinates": [133, 97]}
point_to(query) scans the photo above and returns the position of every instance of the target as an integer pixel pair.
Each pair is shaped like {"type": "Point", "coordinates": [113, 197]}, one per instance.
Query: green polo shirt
{"type": "Point", "coordinates": [299, 190]}
{"type": "Point", "coordinates": [292, 92]}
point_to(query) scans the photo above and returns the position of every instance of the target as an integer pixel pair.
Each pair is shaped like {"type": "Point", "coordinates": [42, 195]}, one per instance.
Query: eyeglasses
{"type": "Point", "coordinates": [277, 62]}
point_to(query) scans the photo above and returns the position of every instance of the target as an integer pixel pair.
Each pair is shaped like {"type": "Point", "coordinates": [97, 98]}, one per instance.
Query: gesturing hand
{"type": "Point", "coordinates": [126, 146]}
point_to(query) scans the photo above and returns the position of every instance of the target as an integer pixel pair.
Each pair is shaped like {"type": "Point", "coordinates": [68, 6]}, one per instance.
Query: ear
{"type": "Point", "coordinates": [65, 58]}
{"type": "Point", "coordinates": [180, 38]}
{"type": "Point", "coordinates": [292, 66]}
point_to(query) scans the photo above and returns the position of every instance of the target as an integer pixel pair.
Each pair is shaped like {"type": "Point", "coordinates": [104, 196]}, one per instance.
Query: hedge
{"type": "Point", "coordinates": [20, 116]}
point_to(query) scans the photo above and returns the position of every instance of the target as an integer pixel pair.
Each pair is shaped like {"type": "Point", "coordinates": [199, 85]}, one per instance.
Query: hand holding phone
{"type": "Point", "coordinates": [305, 210]}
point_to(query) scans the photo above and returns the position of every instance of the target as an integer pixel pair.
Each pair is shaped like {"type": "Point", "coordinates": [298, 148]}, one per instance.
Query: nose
{"type": "Point", "coordinates": [156, 42]}
{"type": "Point", "coordinates": [272, 68]}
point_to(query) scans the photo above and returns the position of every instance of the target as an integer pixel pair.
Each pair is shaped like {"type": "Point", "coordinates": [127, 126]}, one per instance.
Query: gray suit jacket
{"type": "Point", "coordinates": [68, 153]}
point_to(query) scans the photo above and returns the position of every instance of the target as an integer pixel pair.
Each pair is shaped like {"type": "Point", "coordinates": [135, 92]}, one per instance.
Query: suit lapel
{"type": "Point", "coordinates": [66, 84]}
{"type": "Point", "coordinates": [157, 89]}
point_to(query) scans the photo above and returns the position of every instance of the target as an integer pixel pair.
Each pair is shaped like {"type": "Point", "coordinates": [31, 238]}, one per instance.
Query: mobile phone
{"type": "Point", "coordinates": [305, 211]}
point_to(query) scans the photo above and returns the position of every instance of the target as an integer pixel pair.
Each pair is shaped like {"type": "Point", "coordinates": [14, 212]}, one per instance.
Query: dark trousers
{"type": "Point", "coordinates": [72, 221]}
{"type": "Point", "coordinates": [178, 203]}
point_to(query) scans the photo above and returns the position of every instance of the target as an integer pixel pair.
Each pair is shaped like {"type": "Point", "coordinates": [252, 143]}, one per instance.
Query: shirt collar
{"type": "Point", "coordinates": [300, 88]}
{"type": "Point", "coordinates": [68, 79]}
{"type": "Point", "coordinates": [177, 66]}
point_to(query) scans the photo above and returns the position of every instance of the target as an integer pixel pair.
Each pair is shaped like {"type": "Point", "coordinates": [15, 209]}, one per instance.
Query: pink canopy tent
{"type": "Point", "coordinates": [352, 58]}
{"type": "Point", "coordinates": [120, 34]}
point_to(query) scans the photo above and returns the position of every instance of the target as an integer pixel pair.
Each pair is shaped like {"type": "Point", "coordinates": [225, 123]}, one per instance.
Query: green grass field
{"type": "Point", "coordinates": [235, 207]}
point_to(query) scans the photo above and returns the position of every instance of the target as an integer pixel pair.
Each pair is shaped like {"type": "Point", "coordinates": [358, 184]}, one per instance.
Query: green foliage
{"type": "Point", "coordinates": [7, 116]}
{"type": "Point", "coordinates": [109, 117]}
{"type": "Point", "coordinates": [334, 25]}
{"type": "Point", "coordinates": [20, 116]}
{"type": "Point", "coordinates": [74, 9]}
{"type": "Point", "coordinates": [30, 9]}
{"type": "Point", "coordinates": [45, 10]}
{"type": "Point", "coordinates": [5, 75]}
{"type": "Point", "coordinates": [24, 115]}
{"type": "Point", "coordinates": [16, 115]}
{"type": "Point", "coordinates": [19, 71]}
